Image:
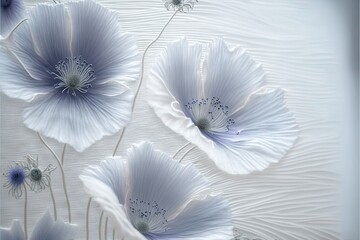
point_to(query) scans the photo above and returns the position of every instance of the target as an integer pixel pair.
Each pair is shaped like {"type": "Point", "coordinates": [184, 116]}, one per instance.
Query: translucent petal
{"type": "Point", "coordinates": [43, 40]}
{"type": "Point", "coordinates": [47, 229]}
{"type": "Point", "coordinates": [112, 52]}
{"type": "Point", "coordinates": [111, 172]}
{"type": "Point", "coordinates": [263, 132]}
{"type": "Point", "coordinates": [179, 68]}
{"type": "Point", "coordinates": [82, 119]}
{"type": "Point", "coordinates": [209, 219]}
{"type": "Point", "coordinates": [232, 75]}
{"type": "Point", "coordinates": [15, 232]}
{"type": "Point", "coordinates": [15, 81]}
{"type": "Point", "coordinates": [10, 16]}
{"type": "Point", "coordinates": [155, 177]}
{"type": "Point", "coordinates": [109, 202]}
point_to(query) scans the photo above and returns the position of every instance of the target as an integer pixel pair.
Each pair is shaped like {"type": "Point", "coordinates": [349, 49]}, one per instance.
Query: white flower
{"type": "Point", "coordinates": [38, 178]}
{"type": "Point", "coordinates": [181, 5]}
{"type": "Point", "coordinates": [12, 12]}
{"type": "Point", "coordinates": [45, 229]}
{"type": "Point", "coordinates": [151, 196]}
{"type": "Point", "coordinates": [225, 109]}
{"type": "Point", "coordinates": [69, 63]}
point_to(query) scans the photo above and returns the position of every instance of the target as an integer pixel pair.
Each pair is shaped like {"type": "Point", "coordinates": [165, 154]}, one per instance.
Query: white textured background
{"type": "Point", "coordinates": [309, 48]}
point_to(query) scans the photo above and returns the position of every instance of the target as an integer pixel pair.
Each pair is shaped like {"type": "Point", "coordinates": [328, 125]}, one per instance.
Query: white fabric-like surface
{"type": "Point", "coordinates": [304, 48]}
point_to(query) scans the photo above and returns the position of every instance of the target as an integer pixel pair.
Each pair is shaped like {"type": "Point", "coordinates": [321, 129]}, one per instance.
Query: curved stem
{"type": "Point", "coordinates": [62, 174]}
{"type": "Point", "coordinates": [142, 75]}
{"type": "Point", "coordinates": [118, 143]}
{"type": "Point", "coordinates": [186, 153]}
{"type": "Point", "coordinates": [53, 200]}
{"type": "Point", "coordinates": [25, 215]}
{"type": "Point", "coordinates": [100, 223]}
{"type": "Point", "coordinates": [106, 227]}
{"type": "Point", "coordinates": [63, 154]}
{"type": "Point", "coordinates": [143, 58]}
{"type": "Point", "coordinates": [48, 147]}
{"type": "Point", "coordinates": [179, 150]}
{"type": "Point", "coordinates": [17, 25]}
{"type": "Point", "coordinates": [87, 218]}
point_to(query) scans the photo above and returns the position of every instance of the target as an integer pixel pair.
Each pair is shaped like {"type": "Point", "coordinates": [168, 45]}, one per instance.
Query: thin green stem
{"type": "Point", "coordinates": [186, 153]}
{"type": "Point", "coordinates": [62, 174]}
{"type": "Point", "coordinates": [180, 149]}
{"type": "Point", "coordinates": [25, 214]}
{"type": "Point", "coordinates": [87, 218]}
{"type": "Point", "coordinates": [118, 142]}
{"type": "Point", "coordinates": [100, 223]}
{"type": "Point", "coordinates": [53, 200]}
{"type": "Point", "coordinates": [143, 59]}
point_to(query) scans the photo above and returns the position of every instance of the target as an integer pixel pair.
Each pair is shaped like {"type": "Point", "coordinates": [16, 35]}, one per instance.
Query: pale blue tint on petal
{"type": "Point", "coordinates": [159, 187]}
{"type": "Point", "coordinates": [112, 172]}
{"type": "Point", "coordinates": [43, 40]}
{"type": "Point", "coordinates": [15, 232]}
{"type": "Point", "coordinates": [51, 32]}
{"type": "Point", "coordinates": [81, 57]}
{"type": "Point", "coordinates": [22, 46]}
{"type": "Point", "coordinates": [209, 219]}
{"type": "Point", "coordinates": [179, 68]}
{"type": "Point", "coordinates": [47, 229]}
{"type": "Point", "coordinates": [10, 16]}
{"type": "Point", "coordinates": [263, 132]}
{"type": "Point", "coordinates": [82, 119]}
{"type": "Point", "coordinates": [100, 40]}
{"type": "Point", "coordinates": [15, 81]}
{"type": "Point", "coordinates": [232, 75]}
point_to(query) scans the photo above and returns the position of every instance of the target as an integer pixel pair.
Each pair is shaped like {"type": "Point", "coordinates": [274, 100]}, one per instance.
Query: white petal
{"type": "Point", "coordinates": [266, 131]}
{"type": "Point", "coordinates": [82, 119]}
{"type": "Point", "coordinates": [43, 40]}
{"type": "Point", "coordinates": [171, 114]}
{"type": "Point", "coordinates": [11, 16]}
{"type": "Point", "coordinates": [179, 68]}
{"type": "Point", "coordinates": [201, 219]}
{"type": "Point", "coordinates": [111, 172]}
{"type": "Point", "coordinates": [154, 176]}
{"type": "Point", "coordinates": [15, 81]}
{"type": "Point", "coordinates": [50, 31]}
{"type": "Point", "coordinates": [109, 202]}
{"type": "Point", "coordinates": [232, 75]}
{"type": "Point", "coordinates": [100, 40]}
{"type": "Point", "coordinates": [47, 229]}
{"type": "Point", "coordinates": [15, 232]}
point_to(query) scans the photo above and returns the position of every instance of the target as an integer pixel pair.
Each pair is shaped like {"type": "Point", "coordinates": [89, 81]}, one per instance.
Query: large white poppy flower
{"type": "Point", "coordinates": [45, 229]}
{"type": "Point", "coordinates": [70, 63]}
{"type": "Point", "coordinates": [11, 13]}
{"type": "Point", "coordinates": [151, 196]}
{"type": "Point", "coordinates": [223, 109]}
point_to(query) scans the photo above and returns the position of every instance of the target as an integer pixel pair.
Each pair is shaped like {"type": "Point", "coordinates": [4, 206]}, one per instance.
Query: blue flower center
{"type": "Point", "coordinates": [147, 216]}
{"type": "Point", "coordinates": [74, 74]}
{"type": "Point", "coordinates": [209, 114]}
{"type": "Point", "coordinates": [35, 174]}
{"type": "Point", "coordinates": [5, 3]}
{"type": "Point", "coordinates": [16, 176]}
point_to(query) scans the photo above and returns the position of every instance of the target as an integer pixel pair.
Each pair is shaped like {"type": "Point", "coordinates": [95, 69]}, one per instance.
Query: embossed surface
{"type": "Point", "coordinates": [305, 48]}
